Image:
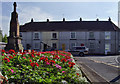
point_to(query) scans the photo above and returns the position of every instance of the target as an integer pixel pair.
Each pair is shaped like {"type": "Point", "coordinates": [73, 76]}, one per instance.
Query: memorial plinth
{"type": "Point", "coordinates": [14, 40]}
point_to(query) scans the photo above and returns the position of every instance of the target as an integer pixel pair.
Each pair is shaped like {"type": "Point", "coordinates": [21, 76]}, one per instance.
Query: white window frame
{"type": "Point", "coordinates": [71, 35]}
{"type": "Point", "coordinates": [107, 35]}
{"type": "Point", "coordinates": [107, 47]}
{"type": "Point", "coordinates": [38, 45]}
{"type": "Point", "coordinates": [92, 46]}
{"type": "Point", "coordinates": [91, 32]}
{"type": "Point", "coordinates": [34, 35]}
{"type": "Point", "coordinates": [52, 45]}
{"type": "Point", "coordinates": [52, 35]}
{"type": "Point", "coordinates": [72, 43]}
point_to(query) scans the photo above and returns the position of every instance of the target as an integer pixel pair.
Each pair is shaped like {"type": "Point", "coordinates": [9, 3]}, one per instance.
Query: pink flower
{"type": "Point", "coordinates": [47, 63]}
{"type": "Point", "coordinates": [70, 60]}
{"type": "Point", "coordinates": [12, 70]}
{"type": "Point", "coordinates": [58, 66]}
{"type": "Point", "coordinates": [63, 71]}
{"type": "Point", "coordinates": [24, 57]}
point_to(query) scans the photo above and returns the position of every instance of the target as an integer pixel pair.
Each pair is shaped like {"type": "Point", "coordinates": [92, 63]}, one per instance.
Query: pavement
{"type": "Point", "coordinates": [118, 59]}
{"type": "Point", "coordinates": [105, 66]}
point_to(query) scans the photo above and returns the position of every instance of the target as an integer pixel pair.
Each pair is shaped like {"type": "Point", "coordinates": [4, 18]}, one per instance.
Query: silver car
{"type": "Point", "coordinates": [79, 50]}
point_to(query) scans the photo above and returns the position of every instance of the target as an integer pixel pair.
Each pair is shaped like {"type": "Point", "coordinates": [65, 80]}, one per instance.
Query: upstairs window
{"type": "Point", "coordinates": [36, 35]}
{"type": "Point", "coordinates": [73, 35]}
{"type": "Point", "coordinates": [107, 35]}
{"type": "Point", "coordinates": [20, 34]}
{"type": "Point", "coordinates": [91, 35]}
{"type": "Point", "coordinates": [54, 35]}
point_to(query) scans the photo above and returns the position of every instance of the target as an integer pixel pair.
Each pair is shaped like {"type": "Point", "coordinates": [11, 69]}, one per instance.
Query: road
{"type": "Point", "coordinates": [106, 66]}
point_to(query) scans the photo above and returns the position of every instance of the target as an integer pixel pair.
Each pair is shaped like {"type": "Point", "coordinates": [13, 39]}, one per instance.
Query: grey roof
{"type": "Point", "coordinates": [69, 26]}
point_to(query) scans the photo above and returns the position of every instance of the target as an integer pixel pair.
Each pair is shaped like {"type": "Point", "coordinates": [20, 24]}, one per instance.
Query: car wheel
{"type": "Point", "coordinates": [81, 54]}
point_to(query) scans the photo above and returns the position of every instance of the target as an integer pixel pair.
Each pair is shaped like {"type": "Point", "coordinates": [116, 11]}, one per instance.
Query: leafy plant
{"type": "Point", "coordinates": [40, 67]}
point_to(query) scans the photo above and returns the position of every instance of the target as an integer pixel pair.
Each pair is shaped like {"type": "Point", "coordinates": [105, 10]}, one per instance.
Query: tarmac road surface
{"type": "Point", "coordinates": [109, 73]}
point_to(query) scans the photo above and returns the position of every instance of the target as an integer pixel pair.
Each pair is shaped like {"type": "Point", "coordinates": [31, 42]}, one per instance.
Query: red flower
{"type": "Point", "coordinates": [32, 64]}
{"type": "Point", "coordinates": [42, 58]}
{"type": "Point", "coordinates": [32, 55]}
{"type": "Point", "coordinates": [14, 55]}
{"type": "Point", "coordinates": [23, 53]}
{"type": "Point", "coordinates": [46, 59]}
{"type": "Point", "coordinates": [56, 57]}
{"type": "Point", "coordinates": [30, 60]}
{"type": "Point", "coordinates": [77, 73]}
{"type": "Point", "coordinates": [37, 64]}
{"type": "Point", "coordinates": [3, 51]}
{"type": "Point", "coordinates": [6, 59]}
{"type": "Point", "coordinates": [11, 51]}
{"type": "Point", "coordinates": [67, 57]}
{"type": "Point", "coordinates": [52, 61]}
{"type": "Point", "coordinates": [20, 50]}
{"type": "Point", "coordinates": [63, 60]}
{"type": "Point", "coordinates": [71, 64]}
{"type": "Point", "coordinates": [11, 57]}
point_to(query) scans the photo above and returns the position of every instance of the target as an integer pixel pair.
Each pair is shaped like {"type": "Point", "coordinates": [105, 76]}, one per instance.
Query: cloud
{"type": "Point", "coordinates": [26, 13]}
{"type": "Point", "coordinates": [5, 24]}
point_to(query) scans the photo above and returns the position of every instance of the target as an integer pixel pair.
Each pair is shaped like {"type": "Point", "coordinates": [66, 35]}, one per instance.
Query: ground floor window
{"type": "Point", "coordinates": [107, 47]}
{"type": "Point", "coordinates": [36, 45]}
{"type": "Point", "coordinates": [72, 45]}
{"type": "Point", "coordinates": [91, 48]}
{"type": "Point", "coordinates": [54, 45]}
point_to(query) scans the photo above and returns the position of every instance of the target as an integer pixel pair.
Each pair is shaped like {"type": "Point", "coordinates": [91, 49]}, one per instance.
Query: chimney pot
{"type": "Point", "coordinates": [32, 20]}
{"type": "Point", "coordinates": [109, 19]}
{"type": "Point", "coordinates": [80, 19]}
{"type": "Point", "coordinates": [63, 19]}
{"type": "Point", "coordinates": [97, 19]}
{"type": "Point", "coordinates": [47, 20]}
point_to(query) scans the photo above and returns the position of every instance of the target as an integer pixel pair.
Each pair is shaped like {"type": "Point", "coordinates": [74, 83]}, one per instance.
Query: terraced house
{"type": "Point", "coordinates": [100, 37]}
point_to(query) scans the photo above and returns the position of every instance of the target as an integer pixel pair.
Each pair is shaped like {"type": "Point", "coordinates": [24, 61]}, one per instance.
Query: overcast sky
{"type": "Point", "coordinates": [55, 11]}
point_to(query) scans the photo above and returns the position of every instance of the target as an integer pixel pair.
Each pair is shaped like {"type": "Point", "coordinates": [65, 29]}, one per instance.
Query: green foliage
{"type": "Point", "coordinates": [4, 39]}
{"type": "Point", "coordinates": [1, 35]}
{"type": "Point", "coordinates": [19, 68]}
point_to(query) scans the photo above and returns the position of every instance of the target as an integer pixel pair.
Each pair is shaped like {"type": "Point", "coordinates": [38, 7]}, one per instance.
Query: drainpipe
{"type": "Point", "coordinates": [115, 42]}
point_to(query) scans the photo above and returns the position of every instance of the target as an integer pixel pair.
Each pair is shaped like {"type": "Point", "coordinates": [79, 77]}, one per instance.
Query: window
{"type": "Point", "coordinates": [36, 35]}
{"type": "Point", "coordinates": [36, 46]}
{"type": "Point", "coordinates": [73, 44]}
{"type": "Point", "coordinates": [73, 35]}
{"type": "Point", "coordinates": [107, 35]}
{"type": "Point", "coordinates": [54, 35]}
{"type": "Point", "coordinates": [20, 34]}
{"type": "Point", "coordinates": [54, 45]}
{"type": "Point", "coordinates": [107, 47]}
{"type": "Point", "coordinates": [91, 35]}
{"type": "Point", "coordinates": [91, 45]}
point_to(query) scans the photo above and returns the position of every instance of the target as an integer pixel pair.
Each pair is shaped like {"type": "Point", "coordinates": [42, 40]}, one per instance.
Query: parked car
{"type": "Point", "coordinates": [79, 50]}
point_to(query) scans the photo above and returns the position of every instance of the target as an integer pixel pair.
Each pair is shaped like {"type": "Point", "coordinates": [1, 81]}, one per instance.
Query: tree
{"type": "Point", "coordinates": [5, 38]}
{"type": "Point", "coordinates": [1, 36]}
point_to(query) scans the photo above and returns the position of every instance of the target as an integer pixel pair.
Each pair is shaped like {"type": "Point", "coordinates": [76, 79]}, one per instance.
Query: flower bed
{"type": "Point", "coordinates": [40, 67]}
